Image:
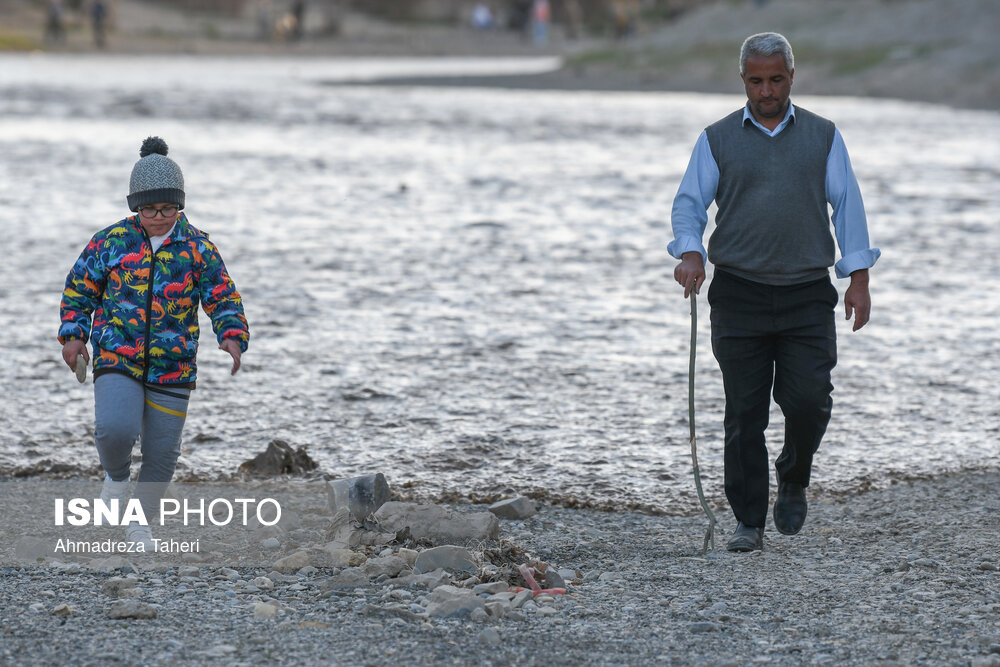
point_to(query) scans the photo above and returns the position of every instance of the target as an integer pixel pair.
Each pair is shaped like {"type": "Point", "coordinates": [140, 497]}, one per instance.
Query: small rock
{"type": "Point", "coordinates": [292, 563]}
{"type": "Point", "coordinates": [271, 544]}
{"type": "Point", "coordinates": [344, 557]}
{"type": "Point", "coordinates": [552, 579]}
{"type": "Point", "coordinates": [279, 459]}
{"type": "Point", "coordinates": [570, 575]}
{"type": "Point", "coordinates": [384, 565]}
{"type": "Point", "coordinates": [495, 609]}
{"type": "Point", "coordinates": [452, 558]}
{"type": "Point", "coordinates": [479, 615]}
{"type": "Point", "coordinates": [264, 611]}
{"type": "Point", "coordinates": [985, 565]}
{"type": "Point", "coordinates": [504, 596]}
{"type": "Point", "coordinates": [62, 610]}
{"type": "Point", "coordinates": [519, 599]}
{"type": "Point", "coordinates": [263, 583]}
{"type": "Point", "coordinates": [514, 508]}
{"type": "Point", "coordinates": [350, 578]}
{"type": "Point", "coordinates": [702, 626]}
{"type": "Point", "coordinates": [440, 525]}
{"type": "Point", "coordinates": [489, 636]}
{"type": "Point", "coordinates": [110, 564]}
{"type": "Point", "coordinates": [491, 587]}
{"type": "Point", "coordinates": [430, 581]}
{"type": "Point", "coordinates": [131, 609]}
{"type": "Point", "coordinates": [37, 607]}
{"type": "Point", "coordinates": [189, 571]}
{"type": "Point", "coordinates": [449, 602]}
{"type": "Point", "coordinates": [115, 586]}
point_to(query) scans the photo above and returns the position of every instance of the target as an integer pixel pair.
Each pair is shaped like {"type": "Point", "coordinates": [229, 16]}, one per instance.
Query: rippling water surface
{"type": "Point", "coordinates": [469, 289]}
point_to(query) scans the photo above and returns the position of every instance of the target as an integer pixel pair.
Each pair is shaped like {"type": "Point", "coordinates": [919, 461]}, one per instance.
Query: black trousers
{"type": "Point", "coordinates": [772, 338]}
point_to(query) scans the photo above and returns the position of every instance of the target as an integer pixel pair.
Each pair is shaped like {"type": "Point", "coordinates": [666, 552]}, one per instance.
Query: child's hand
{"type": "Point", "coordinates": [74, 348]}
{"type": "Point", "coordinates": [233, 348]}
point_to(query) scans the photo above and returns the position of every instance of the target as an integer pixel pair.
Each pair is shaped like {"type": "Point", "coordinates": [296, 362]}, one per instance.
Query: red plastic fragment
{"type": "Point", "coordinates": [528, 577]}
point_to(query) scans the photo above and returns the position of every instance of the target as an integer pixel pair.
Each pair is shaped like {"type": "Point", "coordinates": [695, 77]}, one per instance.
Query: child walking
{"type": "Point", "coordinates": [134, 294]}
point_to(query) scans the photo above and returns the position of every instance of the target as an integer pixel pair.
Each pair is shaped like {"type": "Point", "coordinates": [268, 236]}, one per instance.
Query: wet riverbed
{"type": "Point", "coordinates": [469, 289]}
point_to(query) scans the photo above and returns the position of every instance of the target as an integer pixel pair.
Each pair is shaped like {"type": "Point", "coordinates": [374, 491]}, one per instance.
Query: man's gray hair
{"type": "Point", "coordinates": [766, 44]}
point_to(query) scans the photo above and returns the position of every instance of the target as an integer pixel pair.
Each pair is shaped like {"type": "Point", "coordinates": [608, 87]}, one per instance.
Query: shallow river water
{"type": "Point", "coordinates": [469, 289]}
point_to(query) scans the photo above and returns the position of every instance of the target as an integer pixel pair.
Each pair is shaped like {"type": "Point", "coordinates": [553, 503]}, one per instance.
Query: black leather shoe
{"type": "Point", "coordinates": [746, 538]}
{"type": "Point", "coordinates": [790, 508]}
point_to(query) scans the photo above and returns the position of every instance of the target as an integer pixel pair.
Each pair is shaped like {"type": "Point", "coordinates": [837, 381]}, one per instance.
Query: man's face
{"type": "Point", "coordinates": [768, 85]}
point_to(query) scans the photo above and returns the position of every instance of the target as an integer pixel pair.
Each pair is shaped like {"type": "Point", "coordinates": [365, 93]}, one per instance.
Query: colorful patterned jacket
{"type": "Point", "coordinates": [145, 310]}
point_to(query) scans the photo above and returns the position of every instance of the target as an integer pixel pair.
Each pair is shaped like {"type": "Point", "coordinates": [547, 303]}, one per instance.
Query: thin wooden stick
{"type": "Point", "coordinates": [710, 532]}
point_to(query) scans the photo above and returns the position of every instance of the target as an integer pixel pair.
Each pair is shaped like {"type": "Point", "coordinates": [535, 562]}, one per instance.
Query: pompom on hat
{"type": "Point", "coordinates": [155, 177]}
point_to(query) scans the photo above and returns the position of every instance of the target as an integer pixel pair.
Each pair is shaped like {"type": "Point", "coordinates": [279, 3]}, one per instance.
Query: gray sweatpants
{"type": "Point", "coordinates": [125, 409]}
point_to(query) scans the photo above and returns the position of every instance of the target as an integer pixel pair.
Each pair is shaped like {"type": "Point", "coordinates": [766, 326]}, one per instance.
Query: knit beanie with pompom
{"type": "Point", "coordinates": [155, 177]}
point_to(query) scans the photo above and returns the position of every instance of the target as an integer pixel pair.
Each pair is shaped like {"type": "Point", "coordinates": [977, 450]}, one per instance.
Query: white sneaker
{"type": "Point", "coordinates": [141, 535]}
{"type": "Point", "coordinates": [114, 491]}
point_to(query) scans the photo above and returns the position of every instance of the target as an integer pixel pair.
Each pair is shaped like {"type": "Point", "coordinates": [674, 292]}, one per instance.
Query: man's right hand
{"type": "Point", "coordinates": [690, 273]}
{"type": "Point", "coordinates": [72, 349]}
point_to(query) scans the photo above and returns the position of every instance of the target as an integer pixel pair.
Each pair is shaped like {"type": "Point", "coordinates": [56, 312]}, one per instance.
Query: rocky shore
{"type": "Point", "coordinates": [909, 574]}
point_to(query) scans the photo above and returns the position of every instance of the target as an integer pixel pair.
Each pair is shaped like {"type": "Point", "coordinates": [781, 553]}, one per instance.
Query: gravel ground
{"type": "Point", "coordinates": [902, 575]}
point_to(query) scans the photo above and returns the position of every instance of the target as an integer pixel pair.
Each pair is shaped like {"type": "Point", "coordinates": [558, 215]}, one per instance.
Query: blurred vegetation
{"type": "Point", "coordinates": [15, 41]}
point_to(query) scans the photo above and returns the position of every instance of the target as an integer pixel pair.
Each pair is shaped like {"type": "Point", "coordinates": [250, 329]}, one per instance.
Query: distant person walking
{"type": "Point", "coordinates": [482, 17]}
{"type": "Point", "coordinates": [574, 19]}
{"type": "Point", "coordinates": [265, 22]}
{"type": "Point", "coordinates": [98, 21]}
{"type": "Point", "coordinates": [299, 14]}
{"type": "Point", "coordinates": [541, 15]}
{"type": "Point", "coordinates": [772, 168]}
{"type": "Point", "coordinates": [55, 32]}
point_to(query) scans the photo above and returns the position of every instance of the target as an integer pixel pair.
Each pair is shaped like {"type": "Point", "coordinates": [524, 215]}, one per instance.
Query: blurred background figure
{"type": "Point", "coordinates": [265, 22]}
{"type": "Point", "coordinates": [299, 14]}
{"type": "Point", "coordinates": [55, 32]}
{"type": "Point", "coordinates": [541, 14]}
{"type": "Point", "coordinates": [482, 17]}
{"type": "Point", "coordinates": [98, 22]}
{"type": "Point", "coordinates": [574, 19]}
{"type": "Point", "coordinates": [626, 16]}
{"type": "Point", "coordinates": [519, 16]}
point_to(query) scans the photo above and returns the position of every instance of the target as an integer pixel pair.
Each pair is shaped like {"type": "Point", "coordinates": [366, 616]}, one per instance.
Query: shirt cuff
{"type": "Point", "coordinates": [683, 244]}
{"type": "Point", "coordinates": [862, 259]}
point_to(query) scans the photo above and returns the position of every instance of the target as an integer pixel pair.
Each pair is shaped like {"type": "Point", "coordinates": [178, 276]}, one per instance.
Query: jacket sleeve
{"type": "Point", "coordinates": [220, 299]}
{"type": "Point", "coordinates": [82, 294]}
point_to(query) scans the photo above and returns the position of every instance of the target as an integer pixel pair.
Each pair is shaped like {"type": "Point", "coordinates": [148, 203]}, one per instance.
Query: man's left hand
{"type": "Point", "coordinates": [233, 348]}
{"type": "Point", "coordinates": [858, 300]}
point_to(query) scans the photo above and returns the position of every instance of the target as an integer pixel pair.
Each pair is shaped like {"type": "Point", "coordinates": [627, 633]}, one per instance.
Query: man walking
{"type": "Point", "coordinates": [772, 168]}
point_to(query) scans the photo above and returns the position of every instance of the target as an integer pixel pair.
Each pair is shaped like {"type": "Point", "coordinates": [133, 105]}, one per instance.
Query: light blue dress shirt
{"type": "Point", "coordinates": [701, 180]}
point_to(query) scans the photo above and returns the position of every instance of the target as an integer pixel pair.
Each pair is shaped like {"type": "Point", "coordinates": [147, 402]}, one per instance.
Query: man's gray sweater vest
{"type": "Point", "coordinates": [772, 226]}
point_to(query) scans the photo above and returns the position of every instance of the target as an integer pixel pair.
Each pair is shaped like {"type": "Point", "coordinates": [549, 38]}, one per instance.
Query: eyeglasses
{"type": "Point", "coordinates": [151, 211]}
